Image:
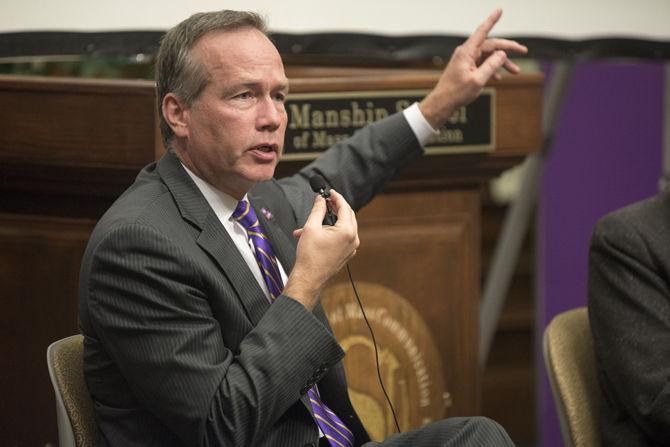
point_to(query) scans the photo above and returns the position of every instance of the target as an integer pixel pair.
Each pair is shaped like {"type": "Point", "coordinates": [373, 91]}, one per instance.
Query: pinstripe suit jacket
{"type": "Point", "coordinates": [629, 312]}
{"type": "Point", "coordinates": [181, 345]}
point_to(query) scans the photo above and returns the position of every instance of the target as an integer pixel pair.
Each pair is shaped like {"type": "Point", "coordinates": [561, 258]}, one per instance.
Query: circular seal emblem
{"type": "Point", "coordinates": [409, 362]}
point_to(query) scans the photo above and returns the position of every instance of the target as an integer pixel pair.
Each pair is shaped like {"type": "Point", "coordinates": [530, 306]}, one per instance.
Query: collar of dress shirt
{"type": "Point", "coordinates": [223, 204]}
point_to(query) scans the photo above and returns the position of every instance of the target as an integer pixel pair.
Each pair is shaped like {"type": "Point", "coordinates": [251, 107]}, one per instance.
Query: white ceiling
{"type": "Point", "coordinates": [565, 19]}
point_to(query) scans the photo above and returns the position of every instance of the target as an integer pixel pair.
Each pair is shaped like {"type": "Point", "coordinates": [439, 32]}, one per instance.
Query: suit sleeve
{"type": "Point", "coordinates": [149, 308]}
{"type": "Point", "coordinates": [360, 166]}
{"type": "Point", "coordinates": [629, 311]}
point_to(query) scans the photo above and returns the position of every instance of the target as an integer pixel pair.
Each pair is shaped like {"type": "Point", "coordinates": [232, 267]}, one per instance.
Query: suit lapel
{"type": "Point", "coordinates": [213, 238]}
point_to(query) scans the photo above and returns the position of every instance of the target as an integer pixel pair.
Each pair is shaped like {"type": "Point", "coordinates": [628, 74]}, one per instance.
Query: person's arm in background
{"type": "Point", "coordinates": [629, 311]}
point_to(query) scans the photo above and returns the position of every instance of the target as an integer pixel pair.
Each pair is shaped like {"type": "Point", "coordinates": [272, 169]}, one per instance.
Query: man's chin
{"type": "Point", "coordinates": [264, 174]}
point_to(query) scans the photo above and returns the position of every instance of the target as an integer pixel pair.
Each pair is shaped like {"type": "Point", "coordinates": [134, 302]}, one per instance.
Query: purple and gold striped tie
{"type": "Point", "coordinates": [332, 427]}
{"type": "Point", "coordinates": [265, 257]}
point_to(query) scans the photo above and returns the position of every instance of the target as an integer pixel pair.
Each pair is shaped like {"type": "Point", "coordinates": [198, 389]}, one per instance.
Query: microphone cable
{"type": "Point", "coordinates": [319, 186]}
{"type": "Point", "coordinates": [374, 343]}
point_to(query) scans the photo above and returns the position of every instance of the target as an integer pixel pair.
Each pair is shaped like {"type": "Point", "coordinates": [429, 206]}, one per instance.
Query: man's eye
{"type": "Point", "coordinates": [281, 97]}
{"type": "Point", "coordinates": [244, 95]}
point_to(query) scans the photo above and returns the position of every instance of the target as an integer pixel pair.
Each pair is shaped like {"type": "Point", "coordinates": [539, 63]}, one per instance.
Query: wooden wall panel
{"type": "Point", "coordinates": [39, 271]}
{"type": "Point", "coordinates": [441, 279]}
{"type": "Point", "coordinates": [77, 123]}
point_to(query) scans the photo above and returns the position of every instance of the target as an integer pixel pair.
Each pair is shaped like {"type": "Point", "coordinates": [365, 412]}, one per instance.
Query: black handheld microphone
{"type": "Point", "coordinates": [319, 186]}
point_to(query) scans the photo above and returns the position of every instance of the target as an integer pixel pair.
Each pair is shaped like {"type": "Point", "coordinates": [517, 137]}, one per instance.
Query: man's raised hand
{"type": "Point", "coordinates": [472, 65]}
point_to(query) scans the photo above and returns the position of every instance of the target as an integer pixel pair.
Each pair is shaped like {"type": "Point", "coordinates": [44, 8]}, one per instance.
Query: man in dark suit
{"type": "Point", "coordinates": [199, 310]}
{"type": "Point", "coordinates": [629, 312]}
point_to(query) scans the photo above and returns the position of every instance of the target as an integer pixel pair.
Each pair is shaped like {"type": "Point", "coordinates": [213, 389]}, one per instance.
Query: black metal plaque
{"type": "Point", "coordinates": [316, 121]}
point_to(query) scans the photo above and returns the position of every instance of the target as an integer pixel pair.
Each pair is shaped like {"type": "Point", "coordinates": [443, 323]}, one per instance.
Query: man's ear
{"type": "Point", "coordinates": [176, 115]}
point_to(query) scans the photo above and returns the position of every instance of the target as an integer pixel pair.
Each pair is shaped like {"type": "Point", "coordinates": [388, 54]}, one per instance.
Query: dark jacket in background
{"type": "Point", "coordinates": [629, 312]}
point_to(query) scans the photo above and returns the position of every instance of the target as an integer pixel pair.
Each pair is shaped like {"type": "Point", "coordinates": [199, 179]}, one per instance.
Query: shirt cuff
{"type": "Point", "coordinates": [422, 130]}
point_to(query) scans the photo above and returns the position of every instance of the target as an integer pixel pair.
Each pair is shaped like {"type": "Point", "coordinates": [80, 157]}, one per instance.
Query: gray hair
{"type": "Point", "coordinates": [177, 72]}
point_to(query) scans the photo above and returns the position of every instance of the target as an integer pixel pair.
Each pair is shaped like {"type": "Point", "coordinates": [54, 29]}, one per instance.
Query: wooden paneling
{"type": "Point", "coordinates": [425, 246]}
{"type": "Point", "coordinates": [51, 121]}
{"type": "Point", "coordinates": [39, 271]}
{"type": "Point", "coordinates": [68, 147]}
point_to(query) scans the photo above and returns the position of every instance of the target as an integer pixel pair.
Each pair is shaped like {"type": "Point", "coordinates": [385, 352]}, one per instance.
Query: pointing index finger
{"type": "Point", "coordinates": [477, 38]}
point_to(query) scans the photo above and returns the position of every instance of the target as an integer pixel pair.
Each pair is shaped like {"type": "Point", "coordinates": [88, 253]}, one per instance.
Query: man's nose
{"type": "Point", "coordinates": [270, 114]}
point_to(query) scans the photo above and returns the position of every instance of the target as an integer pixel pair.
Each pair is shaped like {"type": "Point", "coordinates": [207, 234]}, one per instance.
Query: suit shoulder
{"type": "Point", "coordinates": [645, 222]}
{"type": "Point", "coordinates": [146, 201]}
{"type": "Point", "coordinates": [652, 212]}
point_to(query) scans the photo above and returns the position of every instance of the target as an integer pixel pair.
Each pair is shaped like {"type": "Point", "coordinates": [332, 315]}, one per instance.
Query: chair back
{"type": "Point", "coordinates": [74, 407]}
{"type": "Point", "coordinates": [569, 359]}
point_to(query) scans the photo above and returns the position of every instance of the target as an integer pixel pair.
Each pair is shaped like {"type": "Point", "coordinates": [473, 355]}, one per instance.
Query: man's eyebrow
{"type": "Point", "coordinates": [284, 86]}
{"type": "Point", "coordinates": [252, 85]}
